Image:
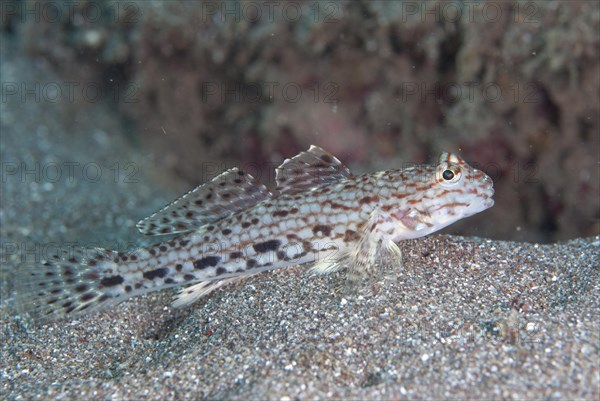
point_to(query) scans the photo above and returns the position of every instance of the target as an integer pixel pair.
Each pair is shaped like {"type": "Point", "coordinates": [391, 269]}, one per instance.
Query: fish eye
{"type": "Point", "coordinates": [448, 175]}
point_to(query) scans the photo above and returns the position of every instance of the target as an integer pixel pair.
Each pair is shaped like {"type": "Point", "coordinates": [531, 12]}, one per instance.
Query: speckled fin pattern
{"type": "Point", "coordinates": [227, 193]}
{"type": "Point", "coordinates": [309, 169]}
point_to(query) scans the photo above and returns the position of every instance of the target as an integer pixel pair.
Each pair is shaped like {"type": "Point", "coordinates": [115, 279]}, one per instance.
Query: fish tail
{"type": "Point", "coordinates": [69, 285]}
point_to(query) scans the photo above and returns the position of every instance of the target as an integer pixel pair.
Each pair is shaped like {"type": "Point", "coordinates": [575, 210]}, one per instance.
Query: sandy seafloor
{"type": "Point", "coordinates": [463, 317]}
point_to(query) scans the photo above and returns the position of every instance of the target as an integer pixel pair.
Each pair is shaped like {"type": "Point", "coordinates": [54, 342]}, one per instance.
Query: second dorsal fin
{"type": "Point", "coordinates": [309, 169]}
{"type": "Point", "coordinates": [227, 193]}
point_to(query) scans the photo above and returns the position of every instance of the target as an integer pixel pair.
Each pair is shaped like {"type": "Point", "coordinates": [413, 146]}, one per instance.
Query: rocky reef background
{"type": "Point", "coordinates": [202, 86]}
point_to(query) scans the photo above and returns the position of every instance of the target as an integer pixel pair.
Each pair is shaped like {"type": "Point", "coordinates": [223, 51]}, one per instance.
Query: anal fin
{"type": "Point", "coordinates": [227, 193]}
{"type": "Point", "coordinates": [193, 293]}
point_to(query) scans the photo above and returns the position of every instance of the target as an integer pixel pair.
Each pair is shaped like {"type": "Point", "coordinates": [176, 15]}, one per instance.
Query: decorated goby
{"type": "Point", "coordinates": [233, 227]}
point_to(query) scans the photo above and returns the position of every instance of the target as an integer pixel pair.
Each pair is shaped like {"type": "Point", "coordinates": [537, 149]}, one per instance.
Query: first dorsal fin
{"type": "Point", "coordinates": [227, 193]}
{"type": "Point", "coordinates": [309, 169]}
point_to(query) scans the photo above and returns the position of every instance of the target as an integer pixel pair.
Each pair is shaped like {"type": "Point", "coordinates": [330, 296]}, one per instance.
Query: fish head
{"type": "Point", "coordinates": [428, 198]}
{"type": "Point", "coordinates": [457, 191]}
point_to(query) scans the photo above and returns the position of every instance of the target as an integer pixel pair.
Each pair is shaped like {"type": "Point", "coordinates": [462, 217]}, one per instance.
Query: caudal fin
{"type": "Point", "coordinates": [68, 285]}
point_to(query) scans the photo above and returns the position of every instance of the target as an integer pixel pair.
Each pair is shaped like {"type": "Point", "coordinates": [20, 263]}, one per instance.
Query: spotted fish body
{"type": "Point", "coordinates": [233, 227]}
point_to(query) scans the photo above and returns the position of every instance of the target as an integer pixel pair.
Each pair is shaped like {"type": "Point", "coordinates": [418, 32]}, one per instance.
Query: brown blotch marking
{"type": "Point", "coordinates": [254, 220]}
{"type": "Point", "coordinates": [73, 260]}
{"type": "Point", "coordinates": [325, 230]}
{"type": "Point", "coordinates": [251, 263]}
{"type": "Point", "coordinates": [165, 230]}
{"type": "Point", "coordinates": [226, 195]}
{"type": "Point", "coordinates": [49, 274]}
{"type": "Point", "coordinates": [152, 274]}
{"type": "Point", "coordinates": [307, 246]}
{"type": "Point", "coordinates": [189, 214]}
{"type": "Point", "coordinates": [128, 288]}
{"type": "Point", "coordinates": [271, 245]}
{"type": "Point", "coordinates": [199, 202]}
{"type": "Point", "coordinates": [237, 181]}
{"type": "Point", "coordinates": [103, 298]}
{"type": "Point", "coordinates": [335, 205]}
{"type": "Point", "coordinates": [210, 228]}
{"type": "Point", "coordinates": [400, 196]}
{"type": "Point", "coordinates": [189, 277]}
{"type": "Point", "coordinates": [163, 248]}
{"type": "Point", "coordinates": [111, 281]}
{"type": "Point", "coordinates": [178, 267]}
{"type": "Point", "coordinates": [327, 158]}
{"type": "Point", "coordinates": [282, 255]}
{"type": "Point", "coordinates": [152, 252]}
{"type": "Point", "coordinates": [56, 291]}
{"type": "Point", "coordinates": [235, 255]}
{"type": "Point", "coordinates": [165, 220]}
{"type": "Point", "coordinates": [368, 199]}
{"type": "Point", "coordinates": [172, 243]}
{"type": "Point", "coordinates": [413, 201]}
{"type": "Point", "coordinates": [69, 310]}
{"type": "Point", "coordinates": [133, 257]}
{"type": "Point", "coordinates": [206, 238]}
{"type": "Point", "coordinates": [454, 204]}
{"type": "Point", "coordinates": [245, 224]}
{"type": "Point", "coordinates": [87, 297]}
{"type": "Point", "coordinates": [226, 231]}
{"type": "Point", "coordinates": [81, 288]}
{"type": "Point", "coordinates": [221, 270]}
{"type": "Point", "coordinates": [351, 236]}
{"type": "Point", "coordinates": [184, 242]}
{"type": "Point", "coordinates": [294, 210]}
{"type": "Point", "coordinates": [292, 237]}
{"type": "Point", "coordinates": [208, 196]}
{"type": "Point", "coordinates": [222, 183]}
{"type": "Point", "coordinates": [92, 276]}
{"type": "Point", "coordinates": [209, 261]}
{"type": "Point", "coordinates": [280, 213]}
{"type": "Point", "coordinates": [67, 304]}
{"type": "Point", "coordinates": [169, 280]}
{"type": "Point", "coordinates": [138, 286]}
